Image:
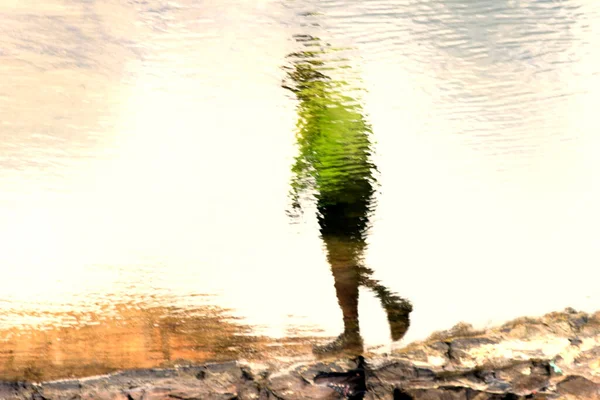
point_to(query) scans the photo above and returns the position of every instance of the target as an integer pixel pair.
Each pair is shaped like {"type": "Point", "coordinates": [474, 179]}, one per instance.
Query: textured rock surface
{"type": "Point", "coordinates": [553, 357]}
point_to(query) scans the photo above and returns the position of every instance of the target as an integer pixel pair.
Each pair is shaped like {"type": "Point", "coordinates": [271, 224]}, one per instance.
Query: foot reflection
{"type": "Point", "coordinates": [351, 384]}
{"type": "Point", "coordinates": [334, 167]}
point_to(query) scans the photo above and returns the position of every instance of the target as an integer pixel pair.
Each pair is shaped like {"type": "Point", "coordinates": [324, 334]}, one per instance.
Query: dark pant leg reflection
{"type": "Point", "coordinates": [342, 230]}
{"type": "Point", "coordinates": [346, 277]}
{"type": "Point", "coordinates": [346, 288]}
{"type": "Point", "coordinates": [347, 280]}
{"type": "Point", "coordinates": [342, 226]}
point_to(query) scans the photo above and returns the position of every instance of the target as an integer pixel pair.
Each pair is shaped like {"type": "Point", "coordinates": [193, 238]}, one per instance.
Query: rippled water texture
{"type": "Point", "coordinates": [201, 180]}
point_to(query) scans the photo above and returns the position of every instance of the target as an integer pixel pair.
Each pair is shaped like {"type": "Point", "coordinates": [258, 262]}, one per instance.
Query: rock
{"type": "Point", "coordinates": [400, 371]}
{"type": "Point", "coordinates": [418, 355]}
{"type": "Point", "coordinates": [589, 358]}
{"type": "Point", "coordinates": [592, 327]}
{"type": "Point", "coordinates": [444, 393]}
{"type": "Point", "coordinates": [438, 353]}
{"type": "Point", "coordinates": [292, 387]}
{"type": "Point", "coordinates": [309, 371]}
{"type": "Point", "coordinates": [556, 356]}
{"type": "Point", "coordinates": [575, 341]}
{"type": "Point", "coordinates": [459, 349]}
{"type": "Point", "coordinates": [441, 347]}
{"type": "Point", "coordinates": [577, 387]}
{"type": "Point", "coordinates": [470, 342]}
{"type": "Point", "coordinates": [64, 385]}
{"type": "Point", "coordinates": [136, 394]}
{"type": "Point", "coordinates": [152, 394]}
{"type": "Point", "coordinates": [579, 322]}
{"type": "Point", "coordinates": [12, 390]}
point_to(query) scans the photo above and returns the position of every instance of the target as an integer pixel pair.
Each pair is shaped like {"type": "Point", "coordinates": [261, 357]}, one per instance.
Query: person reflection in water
{"type": "Point", "coordinates": [334, 167]}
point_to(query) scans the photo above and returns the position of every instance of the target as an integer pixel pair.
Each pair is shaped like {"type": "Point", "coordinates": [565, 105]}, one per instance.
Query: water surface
{"type": "Point", "coordinates": [148, 155]}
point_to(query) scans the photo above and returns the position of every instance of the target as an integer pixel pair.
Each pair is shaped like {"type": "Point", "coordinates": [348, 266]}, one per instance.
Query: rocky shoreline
{"type": "Point", "coordinates": [556, 356]}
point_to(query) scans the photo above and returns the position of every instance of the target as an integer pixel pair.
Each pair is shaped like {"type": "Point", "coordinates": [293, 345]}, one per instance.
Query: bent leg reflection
{"type": "Point", "coordinates": [397, 308]}
{"type": "Point", "coordinates": [344, 258]}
